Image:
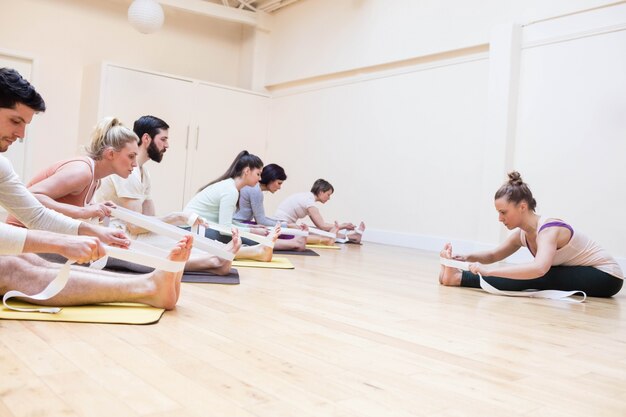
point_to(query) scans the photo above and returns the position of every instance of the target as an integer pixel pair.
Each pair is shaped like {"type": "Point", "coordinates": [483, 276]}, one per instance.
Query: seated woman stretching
{"type": "Point", "coordinates": [300, 205]}
{"type": "Point", "coordinates": [217, 201]}
{"type": "Point", "coordinates": [68, 186]}
{"type": "Point", "coordinates": [564, 260]}
{"type": "Point", "coordinates": [252, 212]}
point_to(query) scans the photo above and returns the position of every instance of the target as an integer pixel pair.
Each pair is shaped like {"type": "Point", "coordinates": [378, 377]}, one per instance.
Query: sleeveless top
{"type": "Point", "coordinates": [81, 199]}
{"type": "Point", "coordinates": [579, 250]}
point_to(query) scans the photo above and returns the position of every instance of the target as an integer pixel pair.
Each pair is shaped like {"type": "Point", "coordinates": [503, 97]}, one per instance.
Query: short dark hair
{"type": "Point", "coordinates": [15, 89]}
{"type": "Point", "coordinates": [150, 125]}
{"type": "Point", "coordinates": [272, 172]}
{"type": "Point", "coordinates": [321, 186]}
{"type": "Point", "coordinates": [516, 191]}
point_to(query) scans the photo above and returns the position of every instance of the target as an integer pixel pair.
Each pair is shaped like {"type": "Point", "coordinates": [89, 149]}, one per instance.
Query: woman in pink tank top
{"type": "Point", "coordinates": [68, 186]}
{"type": "Point", "coordinates": [563, 259]}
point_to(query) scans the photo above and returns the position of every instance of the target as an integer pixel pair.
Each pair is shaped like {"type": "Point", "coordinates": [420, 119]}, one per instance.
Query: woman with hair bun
{"type": "Point", "coordinates": [563, 259]}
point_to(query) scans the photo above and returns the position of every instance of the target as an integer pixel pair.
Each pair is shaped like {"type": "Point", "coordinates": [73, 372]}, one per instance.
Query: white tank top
{"type": "Point", "coordinates": [579, 251]}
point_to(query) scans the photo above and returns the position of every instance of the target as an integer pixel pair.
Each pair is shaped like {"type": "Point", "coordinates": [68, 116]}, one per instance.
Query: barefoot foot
{"type": "Point", "coordinates": [166, 285]}
{"type": "Point", "coordinates": [449, 276]}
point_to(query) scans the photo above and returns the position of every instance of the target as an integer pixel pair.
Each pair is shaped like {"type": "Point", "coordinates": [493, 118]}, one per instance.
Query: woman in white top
{"type": "Point", "coordinates": [301, 205]}
{"type": "Point", "coordinates": [564, 260]}
{"type": "Point", "coordinates": [217, 201]}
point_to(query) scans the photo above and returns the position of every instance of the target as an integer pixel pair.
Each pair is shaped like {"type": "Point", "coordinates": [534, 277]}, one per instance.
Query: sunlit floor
{"type": "Point", "coordinates": [362, 331]}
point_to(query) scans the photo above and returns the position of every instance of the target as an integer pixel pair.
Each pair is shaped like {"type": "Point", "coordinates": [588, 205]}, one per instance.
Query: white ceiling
{"type": "Point", "coordinates": [267, 6]}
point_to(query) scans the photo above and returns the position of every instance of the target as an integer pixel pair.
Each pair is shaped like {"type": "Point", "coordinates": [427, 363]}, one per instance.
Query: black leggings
{"type": "Point", "coordinates": [215, 235]}
{"type": "Point", "coordinates": [592, 281]}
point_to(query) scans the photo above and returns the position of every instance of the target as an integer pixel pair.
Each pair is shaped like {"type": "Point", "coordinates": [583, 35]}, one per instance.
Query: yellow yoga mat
{"type": "Point", "coordinates": [113, 313]}
{"type": "Point", "coordinates": [323, 247]}
{"type": "Point", "coordinates": [276, 263]}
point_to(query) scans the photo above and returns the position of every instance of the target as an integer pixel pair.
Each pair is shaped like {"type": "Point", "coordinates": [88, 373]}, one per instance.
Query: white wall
{"type": "Point", "coordinates": [316, 37]}
{"type": "Point", "coordinates": [430, 133]}
{"type": "Point", "coordinates": [404, 138]}
{"type": "Point", "coordinates": [65, 36]}
{"type": "Point", "coordinates": [423, 104]}
{"type": "Point", "coordinates": [571, 135]}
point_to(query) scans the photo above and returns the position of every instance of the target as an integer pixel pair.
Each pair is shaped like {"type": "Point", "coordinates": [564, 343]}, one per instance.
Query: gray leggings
{"type": "Point", "coordinates": [592, 281]}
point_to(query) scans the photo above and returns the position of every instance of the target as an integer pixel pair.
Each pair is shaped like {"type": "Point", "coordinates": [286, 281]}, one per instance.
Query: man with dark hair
{"type": "Point", "coordinates": [133, 192]}
{"type": "Point", "coordinates": [27, 273]}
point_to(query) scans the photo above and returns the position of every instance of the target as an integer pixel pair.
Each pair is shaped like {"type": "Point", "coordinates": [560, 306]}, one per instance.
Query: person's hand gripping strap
{"type": "Point", "coordinates": [548, 294]}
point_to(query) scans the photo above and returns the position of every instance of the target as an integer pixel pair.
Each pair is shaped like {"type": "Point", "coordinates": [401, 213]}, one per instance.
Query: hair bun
{"type": "Point", "coordinates": [515, 178]}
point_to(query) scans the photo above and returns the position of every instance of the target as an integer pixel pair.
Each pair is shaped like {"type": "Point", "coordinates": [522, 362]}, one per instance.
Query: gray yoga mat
{"type": "Point", "coordinates": [188, 276]}
{"type": "Point", "coordinates": [208, 278]}
{"type": "Point", "coordinates": [118, 265]}
{"type": "Point", "coordinates": [307, 252]}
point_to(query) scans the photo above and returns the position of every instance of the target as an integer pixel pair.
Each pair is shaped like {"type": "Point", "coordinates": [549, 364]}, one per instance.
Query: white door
{"type": "Point", "coordinates": [17, 151]}
{"type": "Point", "coordinates": [228, 121]}
{"type": "Point", "coordinates": [129, 94]}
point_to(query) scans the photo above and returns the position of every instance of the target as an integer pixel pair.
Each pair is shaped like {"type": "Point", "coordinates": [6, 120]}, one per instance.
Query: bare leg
{"type": "Point", "coordinates": [259, 252]}
{"type": "Point", "coordinates": [199, 260]}
{"type": "Point", "coordinates": [297, 243]}
{"type": "Point", "coordinates": [355, 236]}
{"type": "Point", "coordinates": [352, 235]}
{"type": "Point", "coordinates": [322, 240]}
{"type": "Point", "coordinates": [88, 286]}
{"type": "Point", "coordinates": [449, 276]}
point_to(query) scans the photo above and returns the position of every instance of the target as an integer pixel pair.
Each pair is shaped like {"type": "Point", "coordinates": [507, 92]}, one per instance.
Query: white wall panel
{"type": "Point", "coordinates": [404, 152]}
{"type": "Point", "coordinates": [571, 138]}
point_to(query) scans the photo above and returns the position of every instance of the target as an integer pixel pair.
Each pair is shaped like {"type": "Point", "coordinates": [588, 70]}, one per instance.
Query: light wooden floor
{"type": "Point", "coordinates": [365, 331]}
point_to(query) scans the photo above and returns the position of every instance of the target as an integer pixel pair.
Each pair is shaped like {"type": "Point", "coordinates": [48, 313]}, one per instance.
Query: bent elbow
{"type": "Point", "coordinates": [542, 270]}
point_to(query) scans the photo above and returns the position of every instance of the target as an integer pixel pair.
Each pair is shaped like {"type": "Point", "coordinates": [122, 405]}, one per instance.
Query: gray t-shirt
{"type": "Point", "coordinates": [251, 207]}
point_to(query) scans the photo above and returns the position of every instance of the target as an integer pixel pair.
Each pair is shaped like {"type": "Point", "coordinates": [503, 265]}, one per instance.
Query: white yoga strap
{"type": "Point", "coordinates": [143, 254]}
{"type": "Point", "coordinates": [549, 294]}
{"type": "Point", "coordinates": [138, 253]}
{"type": "Point", "coordinates": [345, 232]}
{"type": "Point", "coordinates": [319, 232]}
{"type": "Point", "coordinates": [165, 229]}
{"type": "Point", "coordinates": [294, 232]}
{"type": "Point", "coordinates": [55, 287]}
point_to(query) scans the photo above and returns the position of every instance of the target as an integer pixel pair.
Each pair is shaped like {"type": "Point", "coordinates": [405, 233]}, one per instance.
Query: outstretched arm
{"type": "Point", "coordinates": [18, 240]}
{"type": "Point", "coordinates": [506, 249]}
{"type": "Point", "coordinates": [135, 205]}
{"type": "Point", "coordinates": [546, 248]}
{"type": "Point", "coordinates": [258, 211]}
{"type": "Point", "coordinates": [72, 178]}
{"type": "Point", "coordinates": [81, 249]}
{"type": "Point", "coordinates": [318, 220]}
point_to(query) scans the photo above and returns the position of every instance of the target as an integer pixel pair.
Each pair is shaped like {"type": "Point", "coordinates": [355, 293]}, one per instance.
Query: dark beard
{"type": "Point", "coordinates": [154, 153]}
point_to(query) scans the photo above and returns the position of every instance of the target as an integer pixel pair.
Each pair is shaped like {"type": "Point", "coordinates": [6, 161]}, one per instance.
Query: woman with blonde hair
{"type": "Point", "coordinates": [69, 185]}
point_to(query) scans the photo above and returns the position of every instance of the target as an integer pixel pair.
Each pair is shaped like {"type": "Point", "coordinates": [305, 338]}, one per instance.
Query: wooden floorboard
{"type": "Point", "coordinates": [363, 331]}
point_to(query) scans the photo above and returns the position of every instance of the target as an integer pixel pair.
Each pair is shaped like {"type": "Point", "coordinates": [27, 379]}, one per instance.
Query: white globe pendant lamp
{"type": "Point", "coordinates": [146, 15]}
